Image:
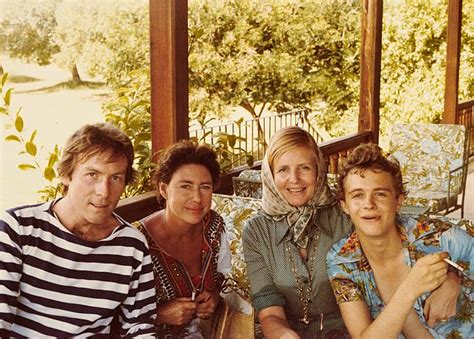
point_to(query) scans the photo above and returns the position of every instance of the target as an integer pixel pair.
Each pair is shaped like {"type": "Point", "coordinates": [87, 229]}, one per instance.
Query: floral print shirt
{"type": "Point", "coordinates": [352, 278]}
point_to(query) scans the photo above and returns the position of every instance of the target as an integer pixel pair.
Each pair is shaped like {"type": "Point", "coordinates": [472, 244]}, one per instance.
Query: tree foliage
{"type": "Point", "coordinates": [414, 61]}
{"type": "Point", "coordinates": [107, 37]}
{"type": "Point", "coordinates": [28, 29]}
{"type": "Point", "coordinates": [130, 111]}
{"type": "Point", "coordinates": [273, 55]}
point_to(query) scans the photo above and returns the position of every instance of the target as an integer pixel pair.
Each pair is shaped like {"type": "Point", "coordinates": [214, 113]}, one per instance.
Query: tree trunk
{"type": "Point", "coordinates": [75, 74]}
{"type": "Point", "coordinates": [261, 134]}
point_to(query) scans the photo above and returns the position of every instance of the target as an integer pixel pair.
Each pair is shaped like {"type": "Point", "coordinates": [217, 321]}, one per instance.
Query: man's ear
{"type": "Point", "coordinates": [400, 200]}
{"type": "Point", "coordinates": [65, 181]}
{"type": "Point", "coordinates": [344, 206]}
{"type": "Point", "coordinates": [162, 187]}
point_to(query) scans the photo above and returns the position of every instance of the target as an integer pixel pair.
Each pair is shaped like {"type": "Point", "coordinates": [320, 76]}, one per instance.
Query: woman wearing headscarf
{"type": "Point", "coordinates": [285, 246]}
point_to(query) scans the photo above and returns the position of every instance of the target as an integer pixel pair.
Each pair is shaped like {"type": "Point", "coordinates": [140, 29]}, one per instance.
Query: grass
{"type": "Point", "coordinates": [67, 85]}
{"type": "Point", "coordinates": [18, 79]}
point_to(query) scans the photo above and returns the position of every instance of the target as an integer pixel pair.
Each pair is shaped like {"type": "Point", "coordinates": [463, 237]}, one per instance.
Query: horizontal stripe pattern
{"type": "Point", "coordinates": [56, 284]}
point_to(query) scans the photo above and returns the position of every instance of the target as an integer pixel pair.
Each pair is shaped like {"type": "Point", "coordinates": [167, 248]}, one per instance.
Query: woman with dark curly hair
{"type": "Point", "coordinates": [187, 239]}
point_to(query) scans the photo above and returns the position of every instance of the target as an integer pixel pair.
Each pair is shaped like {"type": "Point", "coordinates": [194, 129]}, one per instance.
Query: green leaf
{"type": "Point", "coordinates": [12, 137]}
{"type": "Point", "coordinates": [4, 79]}
{"type": "Point", "coordinates": [33, 135]}
{"type": "Point", "coordinates": [49, 173]}
{"type": "Point", "coordinates": [30, 148]}
{"type": "Point", "coordinates": [7, 96]}
{"type": "Point", "coordinates": [250, 160]}
{"type": "Point", "coordinates": [25, 167]}
{"type": "Point", "coordinates": [232, 139]}
{"type": "Point", "coordinates": [53, 158]}
{"type": "Point", "coordinates": [3, 110]}
{"type": "Point", "coordinates": [19, 123]}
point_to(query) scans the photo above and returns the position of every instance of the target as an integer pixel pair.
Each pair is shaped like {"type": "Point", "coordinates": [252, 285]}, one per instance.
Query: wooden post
{"type": "Point", "coordinates": [169, 72]}
{"type": "Point", "coordinates": [452, 61]}
{"type": "Point", "coordinates": [370, 64]}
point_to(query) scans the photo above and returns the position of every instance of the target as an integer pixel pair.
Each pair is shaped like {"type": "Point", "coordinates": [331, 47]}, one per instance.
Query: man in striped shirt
{"type": "Point", "coordinates": [71, 265]}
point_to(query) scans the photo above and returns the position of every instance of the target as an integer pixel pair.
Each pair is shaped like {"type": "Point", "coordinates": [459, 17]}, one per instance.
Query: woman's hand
{"type": "Point", "coordinates": [178, 311]}
{"type": "Point", "coordinates": [427, 274]}
{"type": "Point", "coordinates": [275, 325]}
{"type": "Point", "coordinates": [206, 303]}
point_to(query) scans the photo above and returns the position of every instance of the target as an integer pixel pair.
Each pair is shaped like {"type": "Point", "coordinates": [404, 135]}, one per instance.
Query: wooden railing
{"type": "Point", "coordinates": [465, 116]}
{"type": "Point", "coordinates": [335, 150]}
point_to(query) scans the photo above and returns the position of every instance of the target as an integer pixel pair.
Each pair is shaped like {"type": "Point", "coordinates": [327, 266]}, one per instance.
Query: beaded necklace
{"type": "Point", "coordinates": [305, 290]}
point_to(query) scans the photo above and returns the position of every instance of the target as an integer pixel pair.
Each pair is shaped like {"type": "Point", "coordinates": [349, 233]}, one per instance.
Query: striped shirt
{"type": "Point", "coordinates": [53, 283]}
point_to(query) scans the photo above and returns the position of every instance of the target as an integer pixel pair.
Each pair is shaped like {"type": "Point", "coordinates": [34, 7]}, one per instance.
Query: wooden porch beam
{"type": "Point", "coordinates": [169, 72]}
{"type": "Point", "coordinates": [370, 64]}
{"type": "Point", "coordinates": [452, 61]}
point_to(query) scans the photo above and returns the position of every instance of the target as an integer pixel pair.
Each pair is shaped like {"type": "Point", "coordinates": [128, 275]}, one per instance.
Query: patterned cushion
{"type": "Point", "coordinates": [236, 211]}
{"type": "Point", "coordinates": [248, 184]}
{"type": "Point", "coordinates": [465, 224]}
{"type": "Point", "coordinates": [427, 153]}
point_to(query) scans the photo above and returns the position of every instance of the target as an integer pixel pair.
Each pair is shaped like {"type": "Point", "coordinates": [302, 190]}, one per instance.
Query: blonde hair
{"type": "Point", "coordinates": [288, 138]}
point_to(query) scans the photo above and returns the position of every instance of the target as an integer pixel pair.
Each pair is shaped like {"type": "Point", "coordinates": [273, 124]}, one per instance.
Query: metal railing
{"type": "Point", "coordinates": [249, 138]}
{"type": "Point", "coordinates": [465, 116]}
{"type": "Point", "coordinates": [136, 208]}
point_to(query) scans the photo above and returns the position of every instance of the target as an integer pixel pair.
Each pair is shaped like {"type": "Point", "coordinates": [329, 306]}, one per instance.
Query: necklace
{"type": "Point", "coordinates": [305, 290]}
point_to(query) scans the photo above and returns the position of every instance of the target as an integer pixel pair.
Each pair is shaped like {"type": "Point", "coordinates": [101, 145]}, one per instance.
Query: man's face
{"type": "Point", "coordinates": [371, 202]}
{"type": "Point", "coordinates": [94, 189]}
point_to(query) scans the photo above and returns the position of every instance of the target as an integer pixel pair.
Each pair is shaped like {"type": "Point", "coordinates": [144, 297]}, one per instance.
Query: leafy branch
{"type": "Point", "coordinates": [27, 143]}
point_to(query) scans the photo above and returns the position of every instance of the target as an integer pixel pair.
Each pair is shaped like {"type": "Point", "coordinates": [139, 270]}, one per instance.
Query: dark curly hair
{"type": "Point", "coordinates": [370, 157]}
{"type": "Point", "coordinates": [182, 153]}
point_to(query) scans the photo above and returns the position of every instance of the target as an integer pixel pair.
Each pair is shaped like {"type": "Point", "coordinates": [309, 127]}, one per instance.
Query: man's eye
{"type": "Point", "coordinates": [92, 174]}
{"type": "Point", "coordinates": [117, 178]}
{"type": "Point", "coordinates": [186, 186]}
{"type": "Point", "coordinates": [206, 187]}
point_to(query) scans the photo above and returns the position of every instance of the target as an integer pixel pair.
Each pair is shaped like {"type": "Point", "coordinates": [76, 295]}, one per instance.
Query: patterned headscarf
{"type": "Point", "coordinates": [274, 204]}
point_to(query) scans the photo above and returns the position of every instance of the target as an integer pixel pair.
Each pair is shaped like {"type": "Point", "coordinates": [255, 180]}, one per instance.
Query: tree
{"type": "Point", "coordinates": [273, 55]}
{"type": "Point", "coordinates": [114, 45]}
{"type": "Point", "coordinates": [127, 41]}
{"type": "Point", "coordinates": [28, 29]}
{"type": "Point", "coordinates": [60, 32]}
{"type": "Point", "coordinates": [414, 61]}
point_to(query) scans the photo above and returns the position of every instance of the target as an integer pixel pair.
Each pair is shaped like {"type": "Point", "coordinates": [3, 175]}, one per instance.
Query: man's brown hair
{"type": "Point", "coordinates": [91, 140]}
{"type": "Point", "coordinates": [370, 157]}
